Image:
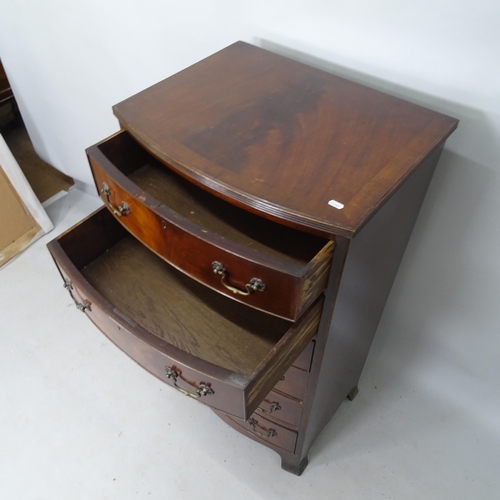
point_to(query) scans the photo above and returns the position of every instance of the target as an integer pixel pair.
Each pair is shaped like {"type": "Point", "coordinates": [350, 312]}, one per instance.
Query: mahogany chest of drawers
{"type": "Point", "coordinates": [257, 210]}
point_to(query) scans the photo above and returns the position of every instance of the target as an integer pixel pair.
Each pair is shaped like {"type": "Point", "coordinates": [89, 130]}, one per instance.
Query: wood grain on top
{"type": "Point", "coordinates": [283, 139]}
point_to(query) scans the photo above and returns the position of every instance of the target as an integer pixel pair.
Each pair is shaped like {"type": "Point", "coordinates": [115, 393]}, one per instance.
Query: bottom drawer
{"type": "Point", "coordinates": [268, 431]}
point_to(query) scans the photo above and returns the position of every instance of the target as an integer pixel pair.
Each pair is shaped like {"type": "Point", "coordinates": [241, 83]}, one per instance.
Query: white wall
{"type": "Point", "coordinates": [69, 62]}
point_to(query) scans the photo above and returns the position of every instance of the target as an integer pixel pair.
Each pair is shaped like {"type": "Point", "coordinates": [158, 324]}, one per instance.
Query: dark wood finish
{"type": "Point", "coordinates": [265, 431]}
{"type": "Point", "coordinates": [295, 468]}
{"type": "Point", "coordinates": [353, 393]}
{"type": "Point", "coordinates": [282, 409]}
{"type": "Point", "coordinates": [293, 383]}
{"type": "Point", "coordinates": [290, 462]}
{"type": "Point", "coordinates": [166, 319]}
{"type": "Point", "coordinates": [362, 274]}
{"type": "Point", "coordinates": [5, 90]}
{"type": "Point", "coordinates": [190, 229]}
{"type": "Point", "coordinates": [304, 359]}
{"type": "Point", "coordinates": [277, 362]}
{"type": "Point", "coordinates": [45, 180]}
{"type": "Point", "coordinates": [266, 132]}
{"type": "Point", "coordinates": [222, 152]}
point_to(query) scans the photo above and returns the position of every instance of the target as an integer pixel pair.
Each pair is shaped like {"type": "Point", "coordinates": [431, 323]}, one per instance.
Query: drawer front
{"type": "Point", "coordinates": [293, 383]}
{"type": "Point", "coordinates": [239, 272]}
{"type": "Point", "coordinates": [276, 292]}
{"type": "Point", "coordinates": [280, 408]}
{"type": "Point", "coordinates": [219, 352]}
{"type": "Point", "coordinates": [270, 432]}
{"type": "Point", "coordinates": [188, 381]}
{"type": "Point", "coordinates": [303, 361]}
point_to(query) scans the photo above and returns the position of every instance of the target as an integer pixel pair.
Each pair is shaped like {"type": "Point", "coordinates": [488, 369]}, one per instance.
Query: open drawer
{"type": "Point", "coordinates": [250, 259]}
{"type": "Point", "coordinates": [221, 352]}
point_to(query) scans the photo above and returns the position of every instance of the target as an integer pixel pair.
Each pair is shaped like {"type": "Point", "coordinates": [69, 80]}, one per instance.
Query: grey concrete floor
{"type": "Point", "coordinates": [80, 420]}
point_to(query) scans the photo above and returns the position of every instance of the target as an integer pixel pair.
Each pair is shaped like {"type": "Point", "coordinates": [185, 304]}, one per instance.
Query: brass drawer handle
{"type": "Point", "coordinates": [272, 408]}
{"type": "Point", "coordinates": [201, 390]}
{"type": "Point", "coordinates": [122, 209]}
{"type": "Point", "coordinates": [254, 285]}
{"type": "Point", "coordinates": [269, 432]}
{"type": "Point", "coordinates": [81, 306]}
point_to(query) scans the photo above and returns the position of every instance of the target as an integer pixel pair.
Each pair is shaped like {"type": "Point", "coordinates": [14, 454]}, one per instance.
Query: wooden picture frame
{"type": "Point", "coordinates": [23, 219]}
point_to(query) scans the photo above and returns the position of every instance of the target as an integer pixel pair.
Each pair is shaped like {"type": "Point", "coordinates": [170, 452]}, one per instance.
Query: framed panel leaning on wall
{"type": "Point", "coordinates": [22, 218]}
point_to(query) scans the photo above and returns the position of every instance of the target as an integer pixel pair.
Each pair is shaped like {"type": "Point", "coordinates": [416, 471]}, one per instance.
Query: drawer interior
{"type": "Point", "coordinates": [206, 210]}
{"type": "Point", "coordinates": [167, 303]}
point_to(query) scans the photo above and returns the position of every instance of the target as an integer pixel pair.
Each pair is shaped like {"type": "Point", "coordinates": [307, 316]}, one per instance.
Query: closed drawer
{"type": "Point", "coordinates": [270, 432]}
{"type": "Point", "coordinates": [218, 351]}
{"type": "Point", "coordinates": [245, 257]}
{"type": "Point", "coordinates": [277, 407]}
{"type": "Point", "coordinates": [293, 383]}
{"type": "Point", "coordinates": [305, 357]}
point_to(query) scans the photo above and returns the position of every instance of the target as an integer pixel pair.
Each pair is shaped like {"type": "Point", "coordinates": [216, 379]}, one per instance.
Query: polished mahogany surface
{"type": "Point", "coordinates": [193, 230]}
{"type": "Point", "coordinates": [284, 139]}
{"type": "Point", "coordinates": [276, 141]}
{"type": "Point", "coordinates": [165, 320]}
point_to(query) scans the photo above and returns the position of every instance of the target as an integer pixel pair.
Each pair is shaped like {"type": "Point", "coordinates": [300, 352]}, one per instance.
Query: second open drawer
{"type": "Point", "coordinates": [218, 351]}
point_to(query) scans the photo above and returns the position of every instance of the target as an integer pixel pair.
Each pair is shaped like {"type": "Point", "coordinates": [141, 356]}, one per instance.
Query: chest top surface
{"type": "Point", "coordinates": [284, 139]}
